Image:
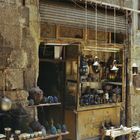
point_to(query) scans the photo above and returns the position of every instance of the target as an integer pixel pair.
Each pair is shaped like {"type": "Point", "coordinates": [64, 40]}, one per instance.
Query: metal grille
{"type": "Point", "coordinates": [67, 14]}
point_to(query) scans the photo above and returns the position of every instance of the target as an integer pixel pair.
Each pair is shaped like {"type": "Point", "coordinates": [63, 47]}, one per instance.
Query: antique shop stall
{"type": "Point", "coordinates": [88, 42]}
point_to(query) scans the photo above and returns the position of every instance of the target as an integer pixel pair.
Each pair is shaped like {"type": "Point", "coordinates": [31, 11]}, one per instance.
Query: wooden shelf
{"type": "Point", "coordinates": [51, 60]}
{"type": "Point", "coordinates": [119, 65]}
{"type": "Point", "coordinates": [114, 83]}
{"type": "Point", "coordinates": [71, 80]}
{"type": "Point", "coordinates": [50, 136]}
{"type": "Point", "coordinates": [48, 104]}
{"type": "Point", "coordinates": [100, 106]}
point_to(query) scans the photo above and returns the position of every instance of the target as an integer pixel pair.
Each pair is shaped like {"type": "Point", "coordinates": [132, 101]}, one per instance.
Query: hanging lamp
{"type": "Point", "coordinates": [5, 102]}
{"type": "Point", "coordinates": [96, 62]}
{"type": "Point", "coordinates": [134, 69]}
{"type": "Point", "coordinates": [114, 67]}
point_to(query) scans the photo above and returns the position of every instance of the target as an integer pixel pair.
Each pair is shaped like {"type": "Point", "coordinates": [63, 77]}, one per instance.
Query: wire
{"type": "Point", "coordinates": [96, 25]}
{"type": "Point", "coordinates": [114, 28]}
{"type": "Point", "coordinates": [106, 23]}
{"type": "Point", "coordinates": [86, 22]}
{"type": "Point", "coordinates": [78, 4]}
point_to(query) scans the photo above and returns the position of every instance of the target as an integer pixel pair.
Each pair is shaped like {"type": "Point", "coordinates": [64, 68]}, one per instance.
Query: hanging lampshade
{"type": "Point", "coordinates": [134, 69]}
{"type": "Point", "coordinates": [114, 68]}
{"type": "Point", "coordinates": [6, 104]}
{"type": "Point", "coordinates": [96, 63]}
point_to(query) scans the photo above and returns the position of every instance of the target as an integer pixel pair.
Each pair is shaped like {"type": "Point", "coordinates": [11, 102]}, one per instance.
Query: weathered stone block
{"type": "Point", "coordinates": [2, 12]}
{"type": "Point", "coordinates": [18, 95]}
{"type": "Point", "coordinates": [12, 36]}
{"type": "Point", "coordinates": [135, 110]}
{"type": "Point", "coordinates": [32, 53]}
{"type": "Point", "coordinates": [30, 76]}
{"type": "Point", "coordinates": [8, 13]}
{"type": "Point", "coordinates": [14, 79]}
{"type": "Point", "coordinates": [1, 35]}
{"type": "Point", "coordinates": [24, 16]}
{"type": "Point", "coordinates": [2, 81]}
{"type": "Point", "coordinates": [4, 54]}
{"type": "Point", "coordinates": [18, 59]}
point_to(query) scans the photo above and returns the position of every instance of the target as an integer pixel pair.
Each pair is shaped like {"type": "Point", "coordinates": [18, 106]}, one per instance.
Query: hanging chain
{"type": "Point", "coordinates": [106, 24]}
{"type": "Point", "coordinates": [106, 34]}
{"type": "Point", "coordinates": [114, 29]}
{"type": "Point", "coordinates": [96, 26]}
{"type": "Point", "coordinates": [86, 19]}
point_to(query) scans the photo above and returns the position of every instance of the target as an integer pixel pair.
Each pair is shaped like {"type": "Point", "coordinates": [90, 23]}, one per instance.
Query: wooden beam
{"type": "Point", "coordinates": [57, 31]}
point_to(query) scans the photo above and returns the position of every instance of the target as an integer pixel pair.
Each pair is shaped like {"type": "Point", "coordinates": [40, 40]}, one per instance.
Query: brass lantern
{"type": "Point", "coordinates": [6, 104]}
{"type": "Point", "coordinates": [134, 69]}
{"type": "Point", "coordinates": [96, 65]}
{"type": "Point", "coordinates": [114, 68]}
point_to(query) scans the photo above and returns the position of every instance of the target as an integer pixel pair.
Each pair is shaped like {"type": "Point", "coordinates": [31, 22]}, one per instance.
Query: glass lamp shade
{"type": "Point", "coordinates": [114, 68]}
{"type": "Point", "coordinates": [6, 104]}
{"type": "Point", "coordinates": [96, 63]}
{"type": "Point", "coordinates": [134, 69]}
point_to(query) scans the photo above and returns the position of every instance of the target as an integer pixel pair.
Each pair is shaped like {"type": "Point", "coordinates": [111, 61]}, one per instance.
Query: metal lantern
{"type": "Point", "coordinates": [96, 65]}
{"type": "Point", "coordinates": [134, 69]}
{"type": "Point", "coordinates": [114, 68]}
{"type": "Point", "coordinates": [6, 104]}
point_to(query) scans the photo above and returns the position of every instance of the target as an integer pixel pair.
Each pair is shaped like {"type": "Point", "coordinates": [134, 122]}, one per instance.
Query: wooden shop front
{"type": "Point", "coordinates": [92, 97]}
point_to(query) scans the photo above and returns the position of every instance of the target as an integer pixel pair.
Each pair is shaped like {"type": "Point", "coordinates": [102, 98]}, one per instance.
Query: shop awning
{"type": "Point", "coordinates": [72, 15]}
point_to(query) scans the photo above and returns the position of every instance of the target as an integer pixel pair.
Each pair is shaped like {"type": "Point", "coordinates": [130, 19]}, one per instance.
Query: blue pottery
{"type": "Point", "coordinates": [44, 133]}
{"type": "Point", "coordinates": [31, 102]}
{"type": "Point", "coordinates": [55, 99]}
{"type": "Point", "coordinates": [50, 99]}
{"type": "Point", "coordinates": [45, 100]}
{"type": "Point", "coordinates": [53, 130]}
{"type": "Point", "coordinates": [58, 127]}
{"type": "Point", "coordinates": [30, 130]}
{"type": "Point", "coordinates": [64, 128]}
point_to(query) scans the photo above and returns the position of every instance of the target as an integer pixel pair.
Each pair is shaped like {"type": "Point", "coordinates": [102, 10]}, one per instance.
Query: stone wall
{"type": "Point", "coordinates": [19, 41]}
{"type": "Point", "coordinates": [134, 95]}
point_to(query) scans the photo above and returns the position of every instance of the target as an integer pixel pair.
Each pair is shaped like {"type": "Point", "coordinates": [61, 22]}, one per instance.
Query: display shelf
{"type": "Point", "coordinates": [99, 106]}
{"type": "Point", "coordinates": [71, 80]}
{"type": "Point", "coordinates": [119, 65]}
{"type": "Point", "coordinates": [47, 104]}
{"type": "Point", "coordinates": [51, 60]}
{"type": "Point", "coordinates": [50, 136]}
{"type": "Point", "coordinates": [114, 83]}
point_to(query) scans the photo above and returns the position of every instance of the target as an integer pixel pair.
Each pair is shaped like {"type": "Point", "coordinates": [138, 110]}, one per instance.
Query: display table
{"type": "Point", "coordinates": [116, 132]}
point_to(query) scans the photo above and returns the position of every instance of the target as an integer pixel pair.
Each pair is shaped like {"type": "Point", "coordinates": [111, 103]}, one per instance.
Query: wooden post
{"type": "Point", "coordinates": [57, 31]}
{"type": "Point", "coordinates": [109, 37]}
{"type": "Point", "coordinates": [59, 138]}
